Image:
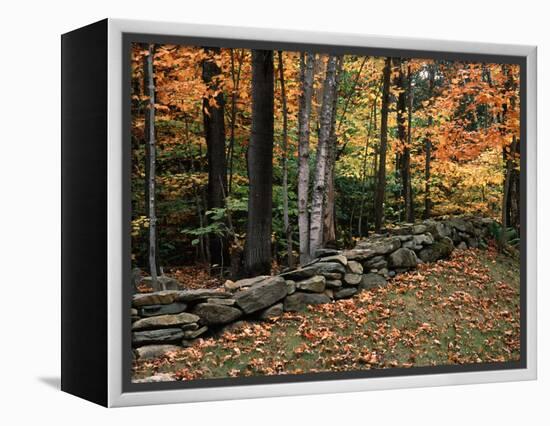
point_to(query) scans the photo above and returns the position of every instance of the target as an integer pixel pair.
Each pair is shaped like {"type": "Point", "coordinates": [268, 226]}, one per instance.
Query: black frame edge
{"type": "Point", "coordinates": [84, 371]}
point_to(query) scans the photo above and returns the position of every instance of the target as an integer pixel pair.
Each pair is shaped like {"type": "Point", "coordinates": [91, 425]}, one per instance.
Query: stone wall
{"type": "Point", "coordinates": [167, 320]}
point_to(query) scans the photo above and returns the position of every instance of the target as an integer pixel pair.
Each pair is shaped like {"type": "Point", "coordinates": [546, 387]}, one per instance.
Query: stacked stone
{"type": "Point", "coordinates": [164, 321]}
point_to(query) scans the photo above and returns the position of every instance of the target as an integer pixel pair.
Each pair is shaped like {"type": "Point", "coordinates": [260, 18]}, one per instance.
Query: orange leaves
{"type": "Point", "coordinates": [469, 313]}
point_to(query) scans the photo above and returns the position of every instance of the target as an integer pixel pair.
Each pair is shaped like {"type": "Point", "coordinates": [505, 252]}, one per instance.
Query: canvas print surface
{"type": "Point", "coordinates": [300, 212]}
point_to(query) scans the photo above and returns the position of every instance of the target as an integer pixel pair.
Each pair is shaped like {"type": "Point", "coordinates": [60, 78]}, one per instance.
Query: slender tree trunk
{"type": "Point", "coordinates": [329, 213]}
{"type": "Point", "coordinates": [214, 129]}
{"type": "Point", "coordinates": [287, 230]}
{"type": "Point", "coordinates": [319, 69]}
{"type": "Point", "coordinates": [149, 80]}
{"type": "Point", "coordinates": [406, 163]}
{"type": "Point", "coordinates": [236, 78]}
{"type": "Point", "coordinates": [381, 178]}
{"type": "Point", "coordinates": [364, 172]}
{"type": "Point", "coordinates": [510, 198]}
{"type": "Point", "coordinates": [510, 191]}
{"type": "Point", "coordinates": [202, 240]}
{"type": "Point", "coordinates": [399, 82]}
{"type": "Point", "coordinates": [514, 188]}
{"type": "Point", "coordinates": [306, 76]}
{"type": "Point", "coordinates": [428, 152]}
{"type": "Point", "coordinates": [319, 183]}
{"type": "Point", "coordinates": [257, 255]}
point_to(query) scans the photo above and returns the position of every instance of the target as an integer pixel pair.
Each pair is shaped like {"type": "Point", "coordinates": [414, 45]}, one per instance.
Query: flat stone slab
{"type": "Point", "coordinates": [352, 279]}
{"type": "Point", "coordinates": [333, 283]}
{"type": "Point", "coordinates": [191, 326]}
{"type": "Point", "coordinates": [426, 239]}
{"type": "Point", "coordinates": [315, 284]}
{"type": "Point", "coordinates": [247, 282]}
{"type": "Point", "coordinates": [213, 313]}
{"type": "Point", "coordinates": [324, 252]}
{"type": "Point", "coordinates": [335, 258]}
{"type": "Point", "coordinates": [380, 246]}
{"type": "Point", "coordinates": [376, 262]}
{"type": "Point", "coordinates": [298, 301]}
{"type": "Point", "coordinates": [155, 351]}
{"type": "Point", "coordinates": [372, 280]}
{"type": "Point", "coordinates": [402, 258]}
{"type": "Point", "coordinates": [344, 293]}
{"type": "Point", "coordinates": [164, 321]}
{"type": "Point", "coordinates": [156, 298]}
{"type": "Point", "coordinates": [193, 334]}
{"type": "Point", "coordinates": [154, 310]}
{"type": "Point", "coordinates": [226, 302]}
{"type": "Point", "coordinates": [162, 336]}
{"type": "Point", "coordinates": [290, 286]}
{"type": "Point", "coordinates": [261, 295]}
{"type": "Point", "coordinates": [274, 311]}
{"type": "Point", "coordinates": [200, 294]}
{"type": "Point", "coordinates": [332, 275]}
{"type": "Point", "coordinates": [419, 229]}
{"type": "Point", "coordinates": [440, 249]}
{"type": "Point", "coordinates": [359, 254]}
{"type": "Point", "coordinates": [319, 268]}
{"type": "Point", "coordinates": [354, 267]}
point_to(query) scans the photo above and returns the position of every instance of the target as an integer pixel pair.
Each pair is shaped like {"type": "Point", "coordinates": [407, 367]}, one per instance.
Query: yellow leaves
{"type": "Point", "coordinates": [139, 223]}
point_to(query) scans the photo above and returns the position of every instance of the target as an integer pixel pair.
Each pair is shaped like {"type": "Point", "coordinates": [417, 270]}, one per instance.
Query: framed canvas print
{"type": "Point", "coordinates": [251, 212]}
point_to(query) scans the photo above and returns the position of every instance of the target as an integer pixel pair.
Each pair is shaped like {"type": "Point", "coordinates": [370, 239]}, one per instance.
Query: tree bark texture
{"type": "Point", "coordinates": [321, 161]}
{"type": "Point", "coordinates": [399, 82]}
{"type": "Point", "coordinates": [428, 152]}
{"type": "Point", "coordinates": [214, 132]}
{"type": "Point", "coordinates": [380, 191]}
{"type": "Point", "coordinates": [149, 82]}
{"type": "Point", "coordinates": [329, 214]}
{"type": "Point", "coordinates": [306, 77]}
{"type": "Point", "coordinates": [406, 161]}
{"type": "Point", "coordinates": [286, 223]}
{"type": "Point", "coordinates": [257, 256]}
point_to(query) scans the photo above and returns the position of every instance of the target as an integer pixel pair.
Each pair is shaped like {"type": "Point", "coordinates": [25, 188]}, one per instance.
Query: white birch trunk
{"type": "Point", "coordinates": [321, 163]}
{"type": "Point", "coordinates": [306, 76]}
{"type": "Point", "coordinates": [151, 152]}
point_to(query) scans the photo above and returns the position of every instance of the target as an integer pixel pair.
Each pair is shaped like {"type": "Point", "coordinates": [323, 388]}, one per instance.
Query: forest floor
{"type": "Point", "coordinates": [461, 310]}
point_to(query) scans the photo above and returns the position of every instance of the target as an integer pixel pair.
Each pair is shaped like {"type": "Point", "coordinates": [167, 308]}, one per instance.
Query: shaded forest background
{"type": "Point", "coordinates": [248, 161]}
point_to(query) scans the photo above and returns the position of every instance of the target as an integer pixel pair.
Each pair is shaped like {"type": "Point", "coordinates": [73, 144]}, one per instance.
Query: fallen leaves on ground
{"type": "Point", "coordinates": [458, 311]}
{"type": "Point", "coordinates": [194, 277]}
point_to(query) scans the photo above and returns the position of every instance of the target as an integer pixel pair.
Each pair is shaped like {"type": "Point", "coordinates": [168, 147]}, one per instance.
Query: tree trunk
{"type": "Point", "coordinates": [321, 161]}
{"type": "Point", "coordinates": [214, 133]}
{"type": "Point", "coordinates": [514, 190]}
{"type": "Point", "coordinates": [287, 230]}
{"type": "Point", "coordinates": [329, 214]}
{"type": "Point", "coordinates": [306, 77]}
{"type": "Point", "coordinates": [257, 256]}
{"type": "Point", "coordinates": [428, 149]}
{"type": "Point", "coordinates": [364, 172]}
{"type": "Point", "coordinates": [381, 177]}
{"type": "Point", "coordinates": [399, 82]}
{"type": "Point", "coordinates": [510, 197]}
{"type": "Point", "coordinates": [236, 78]}
{"type": "Point", "coordinates": [406, 162]}
{"type": "Point", "coordinates": [149, 83]}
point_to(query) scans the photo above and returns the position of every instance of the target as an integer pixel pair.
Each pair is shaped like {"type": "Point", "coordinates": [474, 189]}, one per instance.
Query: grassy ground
{"type": "Point", "coordinates": [462, 310]}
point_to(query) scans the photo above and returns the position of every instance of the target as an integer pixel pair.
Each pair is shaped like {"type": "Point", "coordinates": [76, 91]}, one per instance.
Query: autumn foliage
{"type": "Point", "coordinates": [468, 114]}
